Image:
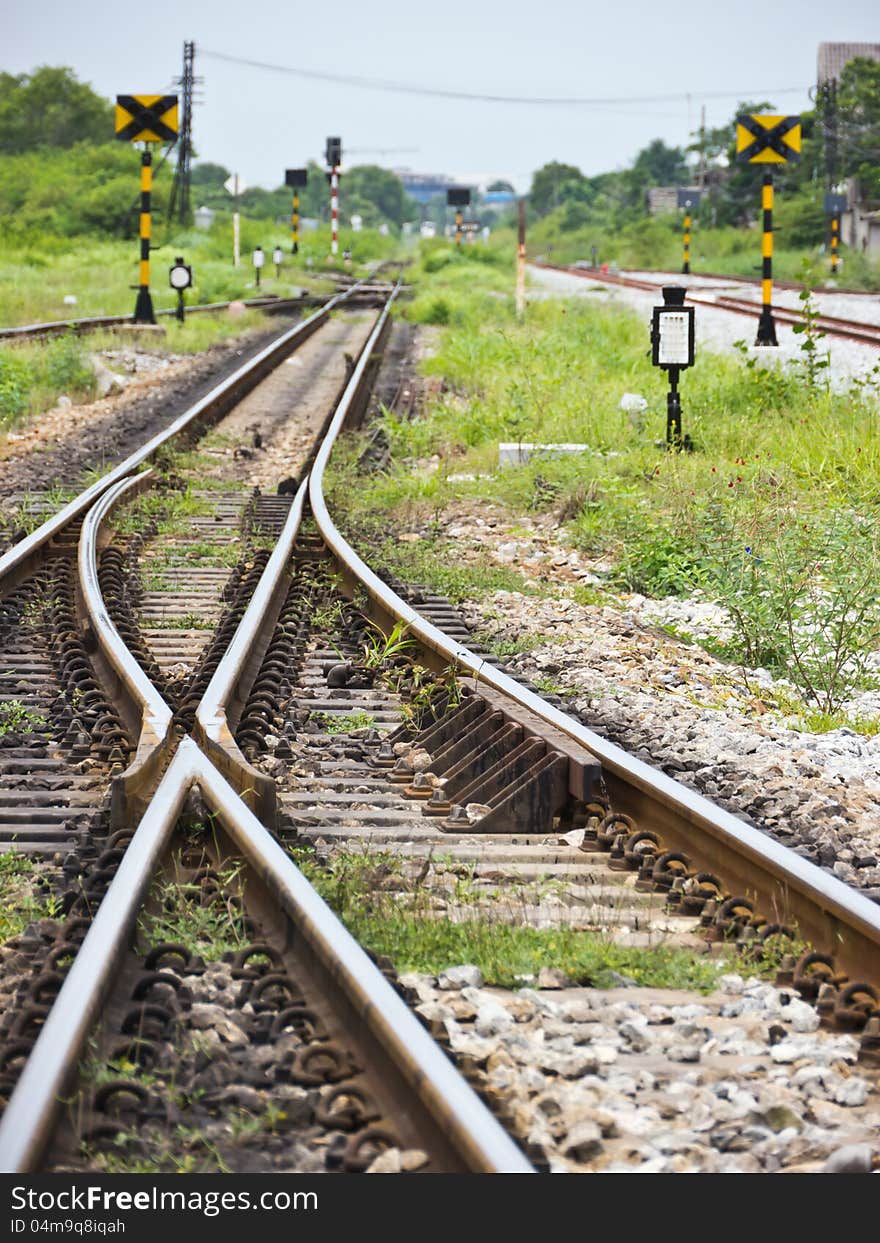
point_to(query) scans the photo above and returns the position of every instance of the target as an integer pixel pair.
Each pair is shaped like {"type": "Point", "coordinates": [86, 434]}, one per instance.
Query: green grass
{"type": "Point", "coordinates": [37, 274]}
{"type": "Point", "coordinates": [397, 923]}
{"type": "Point", "coordinates": [343, 723]}
{"type": "Point", "coordinates": [764, 516]}
{"type": "Point", "coordinates": [15, 718]}
{"type": "Point", "coordinates": [656, 242]}
{"type": "Point", "coordinates": [179, 913]}
{"type": "Point", "coordinates": [21, 900]}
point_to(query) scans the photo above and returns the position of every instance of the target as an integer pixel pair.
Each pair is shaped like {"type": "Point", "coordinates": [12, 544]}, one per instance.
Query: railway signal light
{"type": "Point", "coordinates": [835, 206]}
{"type": "Point", "coordinates": [180, 277]}
{"type": "Point", "coordinates": [296, 178]}
{"type": "Point", "coordinates": [334, 159]}
{"type": "Point", "coordinates": [672, 349]}
{"type": "Point", "coordinates": [688, 199]}
{"type": "Point", "coordinates": [458, 197]}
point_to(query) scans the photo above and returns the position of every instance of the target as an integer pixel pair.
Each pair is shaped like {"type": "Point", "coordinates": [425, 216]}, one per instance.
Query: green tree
{"type": "Point", "coordinates": [554, 185]}
{"type": "Point", "coordinates": [50, 108]}
{"type": "Point", "coordinates": [659, 165]}
{"type": "Point", "coordinates": [858, 123]}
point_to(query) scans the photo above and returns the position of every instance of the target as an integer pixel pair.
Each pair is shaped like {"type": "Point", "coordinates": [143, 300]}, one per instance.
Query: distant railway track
{"type": "Point", "coordinates": [97, 323]}
{"type": "Point", "coordinates": [834, 326]}
{"type": "Point", "coordinates": [486, 769]}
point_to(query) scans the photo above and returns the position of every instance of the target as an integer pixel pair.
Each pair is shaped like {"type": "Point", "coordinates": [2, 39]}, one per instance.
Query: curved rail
{"type": "Point", "coordinates": [147, 711]}
{"type": "Point", "coordinates": [827, 912]}
{"type": "Point", "coordinates": [14, 561]}
{"type": "Point", "coordinates": [212, 729]}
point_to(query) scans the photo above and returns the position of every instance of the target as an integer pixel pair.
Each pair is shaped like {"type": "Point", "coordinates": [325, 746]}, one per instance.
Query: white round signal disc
{"type": "Point", "coordinates": [180, 277]}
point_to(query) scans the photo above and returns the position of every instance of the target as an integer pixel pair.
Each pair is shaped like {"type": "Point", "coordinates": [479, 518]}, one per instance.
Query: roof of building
{"type": "Point", "coordinates": [833, 57]}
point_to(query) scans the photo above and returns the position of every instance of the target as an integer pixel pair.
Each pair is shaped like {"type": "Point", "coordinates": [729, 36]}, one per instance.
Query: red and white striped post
{"type": "Point", "coordinates": [334, 211]}
{"type": "Point", "coordinates": [334, 159]}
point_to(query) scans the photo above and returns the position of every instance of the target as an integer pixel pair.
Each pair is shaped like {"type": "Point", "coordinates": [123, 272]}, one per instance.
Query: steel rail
{"type": "Point", "coordinates": [240, 661]}
{"type": "Point", "coordinates": [830, 915]}
{"type": "Point", "coordinates": [212, 730]}
{"type": "Point", "coordinates": [27, 1123]}
{"type": "Point", "coordinates": [147, 712]}
{"type": "Point", "coordinates": [93, 323]}
{"type": "Point", "coordinates": [832, 325]}
{"type": "Point", "coordinates": [14, 561]}
{"type": "Point", "coordinates": [30, 1115]}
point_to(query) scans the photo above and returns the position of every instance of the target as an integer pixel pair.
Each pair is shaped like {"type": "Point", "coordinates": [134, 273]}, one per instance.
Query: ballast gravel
{"type": "Point", "coordinates": [652, 1081]}
{"type": "Point", "coordinates": [710, 724]}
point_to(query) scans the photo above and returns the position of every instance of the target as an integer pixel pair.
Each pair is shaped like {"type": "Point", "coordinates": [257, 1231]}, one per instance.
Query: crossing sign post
{"type": "Point", "coordinates": [762, 138]}
{"type": "Point", "coordinates": [146, 119]}
{"type": "Point", "coordinates": [765, 138]}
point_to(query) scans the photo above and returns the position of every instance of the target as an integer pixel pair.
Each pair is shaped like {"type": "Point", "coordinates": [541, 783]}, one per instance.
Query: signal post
{"type": "Point", "coordinates": [146, 119]}
{"type": "Point", "coordinates": [295, 178]}
{"type": "Point", "coordinates": [334, 159]}
{"type": "Point", "coordinates": [458, 197]}
{"type": "Point", "coordinates": [765, 139]}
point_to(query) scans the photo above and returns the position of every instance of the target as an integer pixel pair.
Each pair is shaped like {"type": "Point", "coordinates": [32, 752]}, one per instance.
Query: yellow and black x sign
{"type": "Point", "coordinates": [765, 139]}
{"type": "Point", "coordinates": [146, 118]}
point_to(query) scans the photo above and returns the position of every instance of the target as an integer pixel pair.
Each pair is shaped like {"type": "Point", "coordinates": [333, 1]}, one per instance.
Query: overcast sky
{"type": "Point", "coordinates": [258, 122]}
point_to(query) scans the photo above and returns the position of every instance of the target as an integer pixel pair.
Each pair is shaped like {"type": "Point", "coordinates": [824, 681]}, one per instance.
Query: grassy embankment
{"type": "Point", "coordinates": [35, 278]}
{"type": "Point", "coordinates": [772, 516]}
{"type": "Point", "coordinates": [657, 243]}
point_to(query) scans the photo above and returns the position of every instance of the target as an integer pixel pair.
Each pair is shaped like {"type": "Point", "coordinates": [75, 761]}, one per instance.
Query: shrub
{"type": "Point", "coordinates": [15, 385]}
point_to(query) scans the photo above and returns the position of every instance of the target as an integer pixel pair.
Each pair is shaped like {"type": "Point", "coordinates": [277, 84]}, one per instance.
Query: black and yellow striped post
{"type": "Point", "coordinates": [143, 310]}
{"type": "Point", "coordinates": [686, 263]}
{"type": "Point", "coordinates": [146, 119]}
{"type": "Point", "coordinates": [766, 138]}
{"type": "Point", "coordinates": [835, 242]}
{"type": "Point", "coordinates": [295, 178]}
{"type": "Point", "coordinates": [766, 326]}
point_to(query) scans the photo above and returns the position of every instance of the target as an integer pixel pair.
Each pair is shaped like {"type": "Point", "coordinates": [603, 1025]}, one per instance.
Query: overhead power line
{"type": "Point", "coordinates": [436, 92]}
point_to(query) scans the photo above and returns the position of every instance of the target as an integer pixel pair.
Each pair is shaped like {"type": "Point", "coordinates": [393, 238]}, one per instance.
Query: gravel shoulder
{"type": "Point", "coordinates": [710, 724]}
{"type": "Point", "coordinates": [57, 447]}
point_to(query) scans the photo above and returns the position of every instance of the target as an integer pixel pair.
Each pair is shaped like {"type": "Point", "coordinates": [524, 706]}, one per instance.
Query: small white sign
{"type": "Point", "coordinates": [235, 185]}
{"type": "Point", "coordinates": [277, 256]}
{"type": "Point", "coordinates": [674, 338]}
{"type": "Point", "coordinates": [259, 258]}
{"type": "Point", "coordinates": [357, 223]}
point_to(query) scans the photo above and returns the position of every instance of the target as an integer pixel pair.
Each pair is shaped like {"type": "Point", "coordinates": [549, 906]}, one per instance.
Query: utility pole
{"type": "Point", "coordinates": [180, 204]}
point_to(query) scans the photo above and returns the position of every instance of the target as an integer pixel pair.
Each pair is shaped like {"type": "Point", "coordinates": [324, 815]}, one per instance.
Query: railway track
{"type": "Point", "coordinates": [831, 325]}
{"type": "Point", "coordinates": [299, 720]}
{"type": "Point", "coordinates": [97, 323]}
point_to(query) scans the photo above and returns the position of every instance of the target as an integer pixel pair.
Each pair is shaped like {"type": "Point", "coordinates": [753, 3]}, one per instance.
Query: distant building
{"type": "Point", "coordinates": [664, 199]}
{"type": "Point", "coordinates": [834, 56]}
{"type": "Point", "coordinates": [424, 186]}
{"type": "Point", "coordinates": [203, 217]}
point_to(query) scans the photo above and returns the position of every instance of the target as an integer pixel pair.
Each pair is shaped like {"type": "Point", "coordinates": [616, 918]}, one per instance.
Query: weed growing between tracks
{"type": "Point", "coordinates": [772, 516]}
{"type": "Point", "coordinates": [392, 915]}
{"type": "Point", "coordinates": [23, 899]}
